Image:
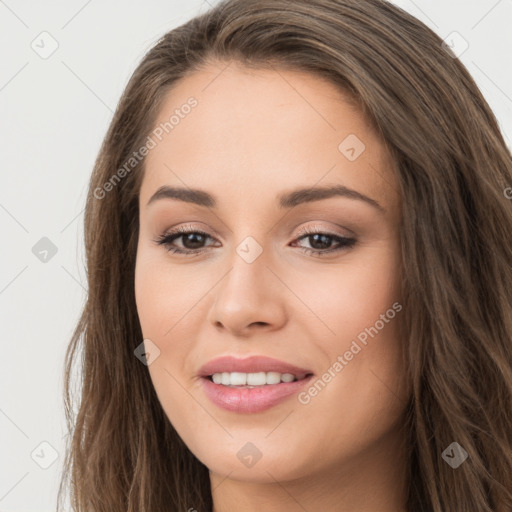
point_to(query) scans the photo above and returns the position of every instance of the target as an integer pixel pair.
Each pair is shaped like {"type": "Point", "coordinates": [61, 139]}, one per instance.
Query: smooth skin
{"type": "Point", "coordinates": [256, 134]}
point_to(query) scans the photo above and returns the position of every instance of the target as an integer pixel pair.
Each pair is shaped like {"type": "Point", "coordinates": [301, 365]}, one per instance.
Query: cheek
{"type": "Point", "coordinates": [161, 297]}
{"type": "Point", "coordinates": [344, 300]}
{"type": "Point", "coordinates": [162, 305]}
{"type": "Point", "coordinates": [363, 392]}
{"type": "Point", "coordinates": [363, 385]}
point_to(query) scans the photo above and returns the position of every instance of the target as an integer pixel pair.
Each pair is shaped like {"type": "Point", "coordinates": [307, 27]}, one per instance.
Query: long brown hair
{"type": "Point", "coordinates": [453, 169]}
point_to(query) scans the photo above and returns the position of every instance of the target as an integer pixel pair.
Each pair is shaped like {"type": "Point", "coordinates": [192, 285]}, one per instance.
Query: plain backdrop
{"type": "Point", "coordinates": [55, 109]}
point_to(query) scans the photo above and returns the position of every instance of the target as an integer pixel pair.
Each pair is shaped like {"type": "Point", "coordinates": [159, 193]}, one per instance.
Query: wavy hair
{"type": "Point", "coordinates": [453, 169]}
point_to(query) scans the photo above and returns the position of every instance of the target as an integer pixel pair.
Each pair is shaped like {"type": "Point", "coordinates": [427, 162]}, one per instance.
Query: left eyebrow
{"type": "Point", "coordinates": [307, 195]}
{"type": "Point", "coordinates": [285, 200]}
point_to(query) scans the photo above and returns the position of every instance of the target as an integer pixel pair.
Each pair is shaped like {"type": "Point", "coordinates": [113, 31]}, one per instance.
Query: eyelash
{"type": "Point", "coordinates": [167, 238]}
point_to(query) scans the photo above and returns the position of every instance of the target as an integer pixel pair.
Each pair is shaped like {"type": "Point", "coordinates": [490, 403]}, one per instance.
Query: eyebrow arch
{"type": "Point", "coordinates": [285, 200]}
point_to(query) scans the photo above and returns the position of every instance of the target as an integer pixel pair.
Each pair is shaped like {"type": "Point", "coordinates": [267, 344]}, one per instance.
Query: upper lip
{"type": "Point", "coordinates": [252, 364]}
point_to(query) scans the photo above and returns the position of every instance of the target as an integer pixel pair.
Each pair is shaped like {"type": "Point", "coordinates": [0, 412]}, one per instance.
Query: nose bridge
{"type": "Point", "coordinates": [250, 250]}
{"type": "Point", "coordinates": [248, 271]}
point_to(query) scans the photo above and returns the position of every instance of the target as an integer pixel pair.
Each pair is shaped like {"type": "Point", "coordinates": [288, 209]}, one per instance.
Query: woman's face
{"type": "Point", "coordinates": [251, 284]}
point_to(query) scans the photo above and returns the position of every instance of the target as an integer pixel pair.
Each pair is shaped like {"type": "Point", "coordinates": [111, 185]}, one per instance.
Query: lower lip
{"type": "Point", "coordinates": [249, 400]}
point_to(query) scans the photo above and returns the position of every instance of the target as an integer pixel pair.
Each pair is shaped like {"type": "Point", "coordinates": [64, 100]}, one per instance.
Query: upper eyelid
{"type": "Point", "coordinates": [310, 230]}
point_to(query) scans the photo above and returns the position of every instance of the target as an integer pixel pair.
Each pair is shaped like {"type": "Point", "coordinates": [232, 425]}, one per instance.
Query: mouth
{"type": "Point", "coordinates": [253, 384]}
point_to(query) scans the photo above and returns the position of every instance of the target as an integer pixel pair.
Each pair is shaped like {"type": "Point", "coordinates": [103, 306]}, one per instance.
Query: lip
{"type": "Point", "coordinates": [256, 399]}
{"type": "Point", "coordinates": [251, 400]}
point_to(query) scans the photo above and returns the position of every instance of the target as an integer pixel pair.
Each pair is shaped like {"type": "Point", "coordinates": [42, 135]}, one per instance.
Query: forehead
{"type": "Point", "coordinates": [257, 132]}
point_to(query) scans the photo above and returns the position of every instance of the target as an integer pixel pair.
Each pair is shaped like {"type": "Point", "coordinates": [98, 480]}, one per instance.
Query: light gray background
{"type": "Point", "coordinates": [54, 114]}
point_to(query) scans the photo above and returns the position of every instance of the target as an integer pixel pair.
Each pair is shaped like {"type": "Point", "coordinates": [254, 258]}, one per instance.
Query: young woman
{"type": "Point", "coordinates": [300, 274]}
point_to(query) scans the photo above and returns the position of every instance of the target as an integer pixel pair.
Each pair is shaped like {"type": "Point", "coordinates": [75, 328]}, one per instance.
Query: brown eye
{"type": "Point", "coordinates": [193, 242]}
{"type": "Point", "coordinates": [321, 242]}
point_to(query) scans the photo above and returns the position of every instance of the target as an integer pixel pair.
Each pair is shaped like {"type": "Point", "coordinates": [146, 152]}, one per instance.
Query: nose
{"type": "Point", "coordinates": [250, 297]}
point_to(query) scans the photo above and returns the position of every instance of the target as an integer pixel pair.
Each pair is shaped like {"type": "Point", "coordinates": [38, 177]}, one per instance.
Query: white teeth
{"type": "Point", "coordinates": [273, 377]}
{"type": "Point", "coordinates": [255, 379]}
{"type": "Point", "coordinates": [251, 379]}
{"type": "Point", "coordinates": [238, 379]}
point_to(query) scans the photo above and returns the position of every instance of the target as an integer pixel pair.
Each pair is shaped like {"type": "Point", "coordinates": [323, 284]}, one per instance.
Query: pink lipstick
{"type": "Point", "coordinates": [253, 384]}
